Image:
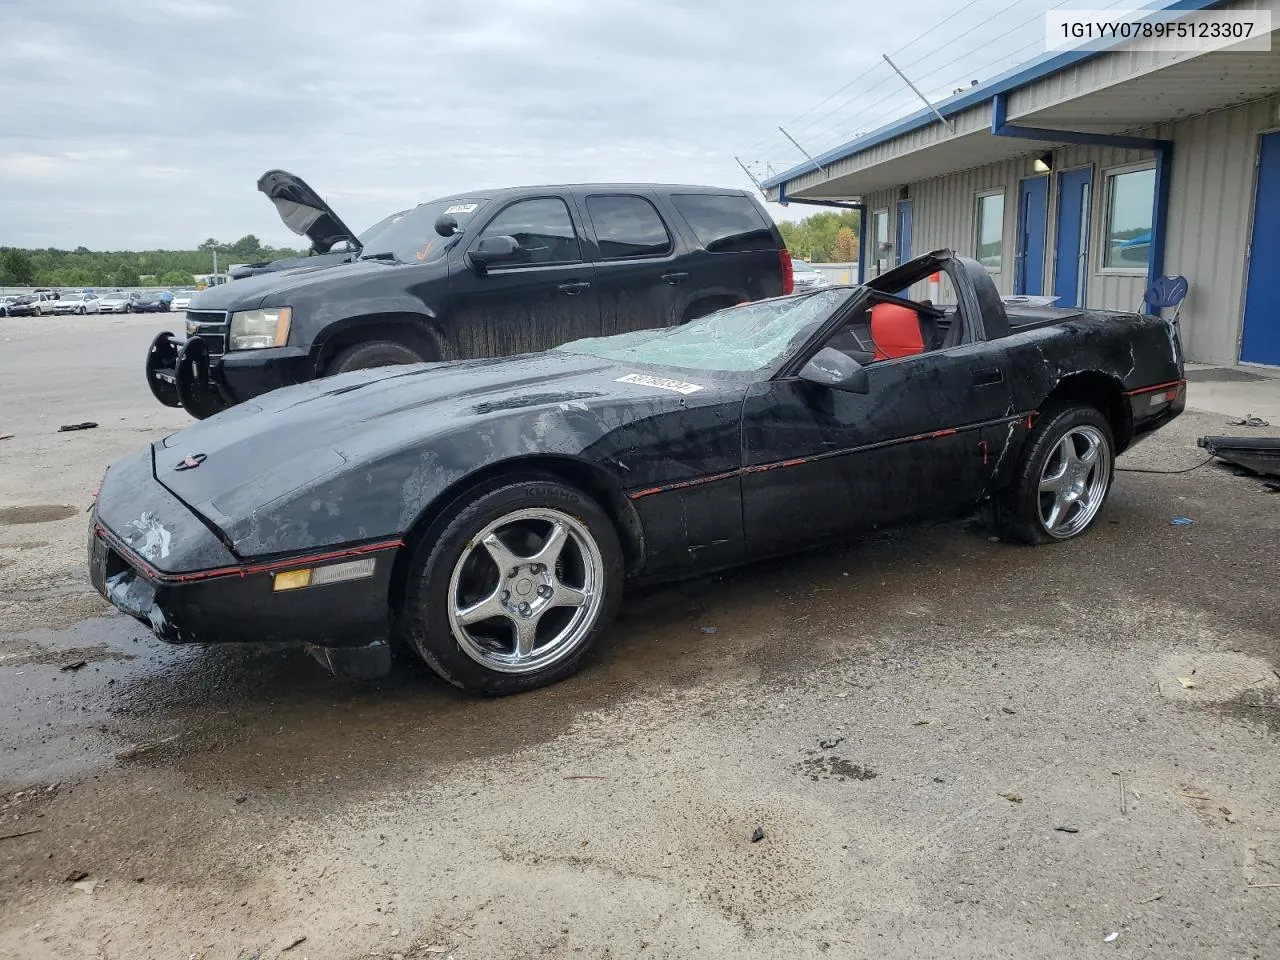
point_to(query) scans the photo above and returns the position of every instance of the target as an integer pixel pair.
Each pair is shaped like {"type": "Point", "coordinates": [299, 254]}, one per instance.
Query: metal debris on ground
{"type": "Point", "coordinates": [1011, 797]}
{"type": "Point", "coordinates": [1187, 682]}
{"type": "Point", "coordinates": [1153, 899]}
{"type": "Point", "coordinates": [1008, 710]}
{"type": "Point", "coordinates": [1111, 937]}
{"type": "Point", "coordinates": [20, 833]}
{"type": "Point", "coordinates": [1180, 521]}
{"type": "Point", "coordinates": [1248, 421]}
{"type": "Point", "coordinates": [757, 835]}
{"type": "Point", "coordinates": [6, 436]}
{"type": "Point", "coordinates": [1066, 829]}
{"type": "Point", "coordinates": [75, 876]}
{"type": "Point", "coordinates": [709, 629]}
{"type": "Point", "coordinates": [831, 744]}
{"type": "Point", "coordinates": [921, 722]}
{"type": "Point", "coordinates": [1260, 455]}
{"type": "Point", "coordinates": [73, 666]}
{"type": "Point", "coordinates": [85, 886]}
{"type": "Point", "coordinates": [296, 943]}
{"type": "Point", "coordinates": [69, 427]}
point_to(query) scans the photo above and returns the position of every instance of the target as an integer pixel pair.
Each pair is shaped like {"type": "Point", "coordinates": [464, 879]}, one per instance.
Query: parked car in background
{"type": "Point", "coordinates": [182, 299]}
{"type": "Point", "coordinates": [8, 302]}
{"type": "Point", "coordinates": [807, 278]}
{"type": "Point", "coordinates": [148, 303]}
{"type": "Point", "coordinates": [484, 274]}
{"type": "Point", "coordinates": [29, 305]}
{"type": "Point", "coordinates": [115, 302]}
{"type": "Point", "coordinates": [78, 303]}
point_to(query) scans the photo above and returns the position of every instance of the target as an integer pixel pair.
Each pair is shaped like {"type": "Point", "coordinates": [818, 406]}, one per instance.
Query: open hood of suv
{"type": "Point", "coordinates": [304, 212]}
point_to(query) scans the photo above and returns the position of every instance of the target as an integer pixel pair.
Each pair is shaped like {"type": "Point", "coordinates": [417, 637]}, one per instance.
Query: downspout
{"type": "Point", "coordinates": [784, 200]}
{"type": "Point", "coordinates": [1163, 150]}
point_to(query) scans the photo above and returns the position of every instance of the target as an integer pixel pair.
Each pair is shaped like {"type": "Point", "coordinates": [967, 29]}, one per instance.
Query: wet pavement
{"type": "Point", "coordinates": [910, 719]}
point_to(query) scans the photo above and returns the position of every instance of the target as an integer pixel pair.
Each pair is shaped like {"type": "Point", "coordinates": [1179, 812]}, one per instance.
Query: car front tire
{"type": "Point", "coordinates": [1063, 478]}
{"type": "Point", "coordinates": [513, 585]}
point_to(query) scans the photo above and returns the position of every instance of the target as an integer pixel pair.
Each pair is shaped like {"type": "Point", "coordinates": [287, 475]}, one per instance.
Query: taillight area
{"type": "Point", "coordinates": [788, 272]}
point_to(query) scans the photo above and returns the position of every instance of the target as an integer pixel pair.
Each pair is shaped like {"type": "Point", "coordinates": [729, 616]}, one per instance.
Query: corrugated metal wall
{"type": "Point", "coordinates": [1209, 219]}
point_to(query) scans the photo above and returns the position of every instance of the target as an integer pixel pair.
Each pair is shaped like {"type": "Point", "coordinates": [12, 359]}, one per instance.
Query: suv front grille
{"type": "Point", "coordinates": [211, 327]}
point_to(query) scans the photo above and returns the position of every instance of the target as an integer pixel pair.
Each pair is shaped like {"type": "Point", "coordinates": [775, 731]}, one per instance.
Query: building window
{"type": "Point", "coordinates": [1131, 200]}
{"type": "Point", "coordinates": [990, 240]}
{"type": "Point", "coordinates": [880, 238]}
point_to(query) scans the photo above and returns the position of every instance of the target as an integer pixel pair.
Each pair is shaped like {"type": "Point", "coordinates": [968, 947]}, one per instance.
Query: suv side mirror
{"type": "Point", "coordinates": [446, 225]}
{"type": "Point", "coordinates": [837, 371]}
{"type": "Point", "coordinates": [491, 250]}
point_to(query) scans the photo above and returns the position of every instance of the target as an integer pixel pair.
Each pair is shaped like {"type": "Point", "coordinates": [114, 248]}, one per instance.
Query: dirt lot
{"type": "Point", "coordinates": [955, 747]}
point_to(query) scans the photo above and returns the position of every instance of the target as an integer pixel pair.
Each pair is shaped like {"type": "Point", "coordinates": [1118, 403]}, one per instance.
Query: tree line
{"type": "Point", "coordinates": [82, 267]}
{"type": "Point", "coordinates": [828, 237]}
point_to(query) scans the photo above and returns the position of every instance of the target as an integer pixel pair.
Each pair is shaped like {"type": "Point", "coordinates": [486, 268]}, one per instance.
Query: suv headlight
{"type": "Point", "coordinates": [255, 329]}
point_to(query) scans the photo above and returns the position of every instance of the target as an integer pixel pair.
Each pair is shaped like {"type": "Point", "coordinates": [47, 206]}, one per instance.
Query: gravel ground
{"type": "Point", "coordinates": [954, 747]}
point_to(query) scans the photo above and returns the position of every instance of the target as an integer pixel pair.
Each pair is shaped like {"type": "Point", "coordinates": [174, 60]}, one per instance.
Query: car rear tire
{"type": "Point", "coordinates": [375, 353]}
{"type": "Point", "coordinates": [511, 588]}
{"type": "Point", "coordinates": [1063, 478]}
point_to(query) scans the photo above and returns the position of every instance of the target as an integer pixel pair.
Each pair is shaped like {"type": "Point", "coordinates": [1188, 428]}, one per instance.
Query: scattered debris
{"type": "Point", "coordinates": [825, 766]}
{"type": "Point", "coordinates": [831, 744]}
{"type": "Point", "coordinates": [1158, 896]}
{"type": "Point", "coordinates": [1180, 521]}
{"type": "Point", "coordinates": [296, 943]}
{"type": "Point", "coordinates": [69, 427]}
{"type": "Point", "coordinates": [75, 876]}
{"type": "Point", "coordinates": [241, 799]}
{"type": "Point", "coordinates": [1251, 420]}
{"type": "Point", "coordinates": [587, 776]}
{"type": "Point", "coordinates": [1008, 710]}
{"type": "Point", "coordinates": [1259, 455]}
{"type": "Point", "coordinates": [1227, 814]}
{"type": "Point", "coordinates": [710, 629]}
{"type": "Point", "coordinates": [1187, 683]}
{"type": "Point", "coordinates": [757, 835]}
{"type": "Point", "coordinates": [1111, 937]}
{"type": "Point", "coordinates": [1011, 797]}
{"type": "Point", "coordinates": [1066, 829]}
{"type": "Point", "coordinates": [1260, 886]}
{"type": "Point", "coordinates": [1124, 807]}
{"type": "Point", "coordinates": [85, 886]}
{"type": "Point", "coordinates": [20, 833]}
{"type": "Point", "coordinates": [73, 666]}
{"type": "Point", "coordinates": [128, 753]}
{"type": "Point", "coordinates": [6, 436]}
{"type": "Point", "coordinates": [921, 722]}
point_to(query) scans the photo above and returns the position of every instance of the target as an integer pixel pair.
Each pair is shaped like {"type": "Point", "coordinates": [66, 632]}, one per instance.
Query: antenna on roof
{"type": "Point", "coordinates": [916, 90]}
{"type": "Point", "coordinates": [803, 150]}
{"type": "Point", "coordinates": [750, 174]}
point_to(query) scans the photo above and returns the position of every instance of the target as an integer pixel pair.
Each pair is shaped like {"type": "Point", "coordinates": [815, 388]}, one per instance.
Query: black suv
{"type": "Point", "coordinates": [482, 274]}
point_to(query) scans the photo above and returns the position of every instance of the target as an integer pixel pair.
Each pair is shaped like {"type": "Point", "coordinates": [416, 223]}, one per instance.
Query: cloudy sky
{"type": "Point", "coordinates": [145, 123]}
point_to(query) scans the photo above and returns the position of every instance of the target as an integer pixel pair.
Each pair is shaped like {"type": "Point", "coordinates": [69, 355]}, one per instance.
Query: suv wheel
{"type": "Point", "coordinates": [375, 353]}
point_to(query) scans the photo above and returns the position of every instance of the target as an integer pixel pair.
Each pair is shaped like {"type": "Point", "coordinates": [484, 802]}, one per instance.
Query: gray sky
{"type": "Point", "coordinates": [128, 124]}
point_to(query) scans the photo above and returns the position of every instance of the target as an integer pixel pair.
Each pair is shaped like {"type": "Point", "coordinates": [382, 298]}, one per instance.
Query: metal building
{"type": "Point", "coordinates": [1085, 175]}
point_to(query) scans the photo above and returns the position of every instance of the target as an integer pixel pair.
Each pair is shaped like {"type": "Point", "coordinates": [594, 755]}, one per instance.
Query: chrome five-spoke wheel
{"type": "Point", "coordinates": [526, 590]}
{"type": "Point", "coordinates": [1074, 481]}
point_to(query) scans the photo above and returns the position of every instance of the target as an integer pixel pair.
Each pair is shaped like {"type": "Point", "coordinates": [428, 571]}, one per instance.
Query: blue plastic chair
{"type": "Point", "coordinates": [1164, 293]}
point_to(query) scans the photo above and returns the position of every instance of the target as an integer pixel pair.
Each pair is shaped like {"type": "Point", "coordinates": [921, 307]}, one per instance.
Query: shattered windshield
{"type": "Point", "coordinates": [746, 338]}
{"type": "Point", "coordinates": [410, 236]}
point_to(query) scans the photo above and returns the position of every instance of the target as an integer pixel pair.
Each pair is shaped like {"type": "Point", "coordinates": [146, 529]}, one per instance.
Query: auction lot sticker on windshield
{"type": "Point", "coordinates": [662, 383]}
{"type": "Point", "coordinates": [462, 208]}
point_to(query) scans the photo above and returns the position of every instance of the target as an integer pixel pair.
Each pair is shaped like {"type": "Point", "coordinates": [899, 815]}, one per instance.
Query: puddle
{"type": "Point", "coordinates": [39, 513]}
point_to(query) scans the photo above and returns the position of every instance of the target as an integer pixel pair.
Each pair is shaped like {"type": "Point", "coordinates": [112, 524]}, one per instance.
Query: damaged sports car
{"type": "Point", "coordinates": [486, 515]}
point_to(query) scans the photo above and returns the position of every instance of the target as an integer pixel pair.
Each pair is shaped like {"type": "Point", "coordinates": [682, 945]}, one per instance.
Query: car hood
{"type": "Point", "coordinates": [287, 446]}
{"type": "Point", "coordinates": [304, 212]}
{"type": "Point", "coordinates": [250, 293]}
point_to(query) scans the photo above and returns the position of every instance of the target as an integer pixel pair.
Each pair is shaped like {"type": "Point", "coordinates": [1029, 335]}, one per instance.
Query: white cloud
{"type": "Point", "coordinates": [126, 123]}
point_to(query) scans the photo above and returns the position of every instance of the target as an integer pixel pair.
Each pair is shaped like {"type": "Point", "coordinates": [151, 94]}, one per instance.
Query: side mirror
{"type": "Point", "coordinates": [837, 371]}
{"type": "Point", "coordinates": [492, 250]}
{"type": "Point", "coordinates": [446, 225]}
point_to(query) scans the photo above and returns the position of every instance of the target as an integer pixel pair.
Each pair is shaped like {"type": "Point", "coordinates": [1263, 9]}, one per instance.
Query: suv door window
{"type": "Point", "coordinates": [724, 224]}
{"type": "Point", "coordinates": [543, 229]}
{"type": "Point", "coordinates": [627, 226]}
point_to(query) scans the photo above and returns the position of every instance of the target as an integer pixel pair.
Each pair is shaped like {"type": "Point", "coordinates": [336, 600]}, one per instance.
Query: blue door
{"type": "Point", "coordinates": [1071, 247]}
{"type": "Point", "coordinates": [1261, 340]}
{"type": "Point", "coordinates": [1033, 215]}
{"type": "Point", "coordinates": [904, 231]}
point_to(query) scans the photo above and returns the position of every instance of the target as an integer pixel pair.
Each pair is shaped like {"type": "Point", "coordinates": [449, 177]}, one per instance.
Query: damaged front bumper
{"type": "Point", "coordinates": [185, 373]}
{"type": "Point", "coordinates": [155, 560]}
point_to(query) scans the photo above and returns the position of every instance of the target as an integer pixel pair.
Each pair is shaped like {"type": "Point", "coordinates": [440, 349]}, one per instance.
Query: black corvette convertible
{"type": "Point", "coordinates": [487, 513]}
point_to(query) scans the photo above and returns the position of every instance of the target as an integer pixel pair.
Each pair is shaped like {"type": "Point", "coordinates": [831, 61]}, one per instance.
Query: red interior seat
{"type": "Point", "coordinates": [895, 329]}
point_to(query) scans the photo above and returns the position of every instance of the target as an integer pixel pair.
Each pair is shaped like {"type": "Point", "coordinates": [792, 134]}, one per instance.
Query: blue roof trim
{"type": "Point", "coordinates": [1019, 76]}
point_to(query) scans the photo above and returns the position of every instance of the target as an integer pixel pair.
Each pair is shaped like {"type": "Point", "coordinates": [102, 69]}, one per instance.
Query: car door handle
{"type": "Point", "coordinates": [985, 378]}
{"type": "Point", "coordinates": [574, 287]}
{"type": "Point", "coordinates": [675, 277]}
